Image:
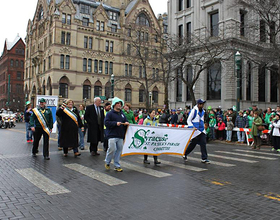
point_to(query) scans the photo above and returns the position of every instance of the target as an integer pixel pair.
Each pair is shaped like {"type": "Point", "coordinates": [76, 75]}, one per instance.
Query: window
{"type": "Point", "coordinates": [16, 63]}
{"type": "Point", "coordinates": [97, 91]}
{"type": "Point", "coordinates": [107, 46]}
{"type": "Point", "coordinates": [68, 19]}
{"type": "Point", "coordinates": [86, 91]}
{"type": "Point", "coordinates": [18, 75]}
{"type": "Point", "coordinates": [106, 67]}
{"type": "Point", "coordinates": [126, 70]}
{"type": "Point", "coordinates": [84, 9]}
{"type": "Point", "coordinates": [262, 31]}
{"type": "Point", "coordinates": [179, 86]}
{"type": "Point", "coordinates": [155, 96]}
{"type": "Point", "coordinates": [128, 49]}
{"type": "Point", "coordinates": [62, 37]}
{"type": "Point", "coordinates": [127, 95]}
{"type": "Point", "coordinates": [146, 36]}
{"type": "Point", "coordinates": [61, 61]}
{"type": "Point", "coordinates": [248, 81]}
{"type": "Point", "coordinates": [21, 64]}
{"type": "Point", "coordinates": [97, 25]}
{"type": "Point", "coordinates": [261, 84]}
{"type": "Point", "coordinates": [67, 62]}
{"type": "Point", "coordinates": [189, 79]}
{"type": "Point", "coordinates": [111, 46]}
{"type": "Point", "coordinates": [41, 14]}
{"type": "Point", "coordinates": [142, 97]}
{"type": "Point", "coordinates": [50, 39]}
{"type": "Point", "coordinates": [214, 24]}
{"type": "Point", "coordinates": [272, 32]}
{"type": "Point", "coordinates": [157, 74]}
{"type": "Point", "coordinates": [19, 89]}
{"type": "Point", "coordinates": [68, 39]}
{"type": "Point", "coordinates": [188, 4]}
{"type": "Point", "coordinates": [85, 42]}
{"type": "Point", "coordinates": [273, 84]}
{"type": "Point", "coordinates": [44, 66]}
{"type": "Point", "coordinates": [242, 22]}
{"type": "Point", "coordinates": [142, 20]}
{"type": "Point", "coordinates": [63, 90]}
{"type": "Point", "coordinates": [111, 68]}
{"type": "Point", "coordinates": [84, 64]}
{"type": "Point", "coordinates": [214, 82]}
{"type": "Point", "coordinates": [89, 65]}
{"type": "Point", "coordinates": [100, 66]}
{"type": "Point", "coordinates": [95, 66]}
{"type": "Point", "coordinates": [129, 32]}
{"type": "Point", "coordinates": [12, 62]}
{"type": "Point", "coordinates": [90, 43]}
{"type": "Point", "coordinates": [154, 73]}
{"type": "Point", "coordinates": [63, 18]}
{"type": "Point", "coordinates": [189, 32]}
{"type": "Point", "coordinates": [180, 5]}
{"type": "Point", "coordinates": [85, 21]}
{"type": "Point", "coordinates": [113, 15]}
{"type": "Point", "coordinates": [114, 28]}
{"type": "Point", "coordinates": [101, 26]}
{"type": "Point", "coordinates": [50, 59]}
{"type": "Point", "coordinates": [140, 71]}
{"type": "Point", "coordinates": [180, 34]}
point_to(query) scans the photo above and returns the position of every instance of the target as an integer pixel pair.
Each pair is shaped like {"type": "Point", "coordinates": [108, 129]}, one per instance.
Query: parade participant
{"type": "Point", "coordinates": [27, 114]}
{"type": "Point", "coordinates": [41, 123]}
{"type": "Point", "coordinates": [128, 113]}
{"type": "Point", "coordinates": [276, 133]}
{"type": "Point", "coordinates": [95, 119]}
{"type": "Point", "coordinates": [151, 121]}
{"type": "Point", "coordinates": [256, 131]}
{"type": "Point", "coordinates": [196, 119]}
{"type": "Point", "coordinates": [107, 108]}
{"type": "Point", "coordinates": [115, 123]}
{"type": "Point", "coordinates": [70, 123]}
{"type": "Point", "coordinates": [82, 130]}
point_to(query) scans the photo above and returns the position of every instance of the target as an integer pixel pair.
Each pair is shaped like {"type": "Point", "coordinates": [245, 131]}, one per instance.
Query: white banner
{"type": "Point", "coordinates": [51, 103]}
{"type": "Point", "coordinates": [140, 139]}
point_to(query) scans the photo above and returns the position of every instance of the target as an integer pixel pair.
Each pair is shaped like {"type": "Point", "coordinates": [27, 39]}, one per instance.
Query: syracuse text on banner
{"type": "Point", "coordinates": [140, 139]}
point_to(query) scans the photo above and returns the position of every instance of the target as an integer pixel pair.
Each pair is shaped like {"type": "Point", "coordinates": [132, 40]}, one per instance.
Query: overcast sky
{"type": "Point", "coordinates": [14, 16]}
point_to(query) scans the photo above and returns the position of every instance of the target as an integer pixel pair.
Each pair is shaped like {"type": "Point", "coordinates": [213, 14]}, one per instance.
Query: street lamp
{"type": "Point", "coordinates": [237, 58]}
{"type": "Point", "coordinates": [150, 96]}
{"type": "Point", "coordinates": [112, 85]}
{"type": "Point", "coordinates": [85, 100]}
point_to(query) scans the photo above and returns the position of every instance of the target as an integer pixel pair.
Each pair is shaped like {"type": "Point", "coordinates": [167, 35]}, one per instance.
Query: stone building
{"type": "Point", "coordinates": [75, 46]}
{"type": "Point", "coordinates": [11, 75]}
{"type": "Point", "coordinates": [224, 20]}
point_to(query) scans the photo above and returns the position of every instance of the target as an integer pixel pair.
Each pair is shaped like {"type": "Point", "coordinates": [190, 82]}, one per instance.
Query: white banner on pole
{"type": "Point", "coordinates": [51, 103]}
{"type": "Point", "coordinates": [140, 139]}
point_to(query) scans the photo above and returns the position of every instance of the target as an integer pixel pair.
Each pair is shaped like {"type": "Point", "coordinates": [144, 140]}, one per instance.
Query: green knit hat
{"type": "Point", "coordinates": [115, 100]}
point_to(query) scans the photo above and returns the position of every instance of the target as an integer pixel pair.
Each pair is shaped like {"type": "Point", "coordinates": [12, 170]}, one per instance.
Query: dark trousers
{"type": "Point", "coordinates": [65, 150]}
{"type": "Point", "coordinates": [105, 144]}
{"type": "Point", "coordinates": [257, 141]}
{"type": "Point", "coordinates": [37, 137]}
{"type": "Point", "coordinates": [93, 147]}
{"type": "Point", "coordinates": [146, 157]}
{"type": "Point", "coordinates": [201, 140]}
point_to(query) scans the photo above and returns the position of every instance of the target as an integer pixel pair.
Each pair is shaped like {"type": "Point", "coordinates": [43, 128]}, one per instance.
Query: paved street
{"type": "Point", "coordinates": [238, 184]}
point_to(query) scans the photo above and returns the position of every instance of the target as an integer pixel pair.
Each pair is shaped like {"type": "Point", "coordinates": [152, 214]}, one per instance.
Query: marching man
{"type": "Point", "coordinates": [41, 123]}
{"type": "Point", "coordinates": [196, 119]}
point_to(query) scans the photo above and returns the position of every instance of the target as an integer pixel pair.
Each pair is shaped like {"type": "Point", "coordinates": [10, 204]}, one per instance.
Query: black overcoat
{"type": "Point", "coordinates": [69, 129]}
{"type": "Point", "coordinates": [93, 126]}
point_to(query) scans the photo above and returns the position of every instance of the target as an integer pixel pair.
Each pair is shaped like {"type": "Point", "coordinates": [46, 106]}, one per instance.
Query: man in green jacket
{"type": "Point", "coordinates": [41, 123]}
{"type": "Point", "coordinates": [256, 132]}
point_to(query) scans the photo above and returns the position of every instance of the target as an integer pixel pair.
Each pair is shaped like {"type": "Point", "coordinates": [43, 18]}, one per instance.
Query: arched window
{"type": "Point", "coordinates": [97, 89]}
{"type": "Point", "coordinates": [12, 62]}
{"type": "Point", "coordinates": [142, 95]}
{"type": "Point", "coordinates": [214, 82]}
{"type": "Point", "coordinates": [16, 63]}
{"type": "Point", "coordinates": [128, 93]}
{"type": "Point", "coordinates": [44, 88]}
{"type": "Point", "coordinates": [155, 95]}
{"type": "Point", "coordinates": [142, 20]}
{"type": "Point", "coordinates": [41, 14]}
{"type": "Point", "coordinates": [87, 90]}
{"type": "Point", "coordinates": [108, 90]}
{"type": "Point", "coordinates": [63, 87]}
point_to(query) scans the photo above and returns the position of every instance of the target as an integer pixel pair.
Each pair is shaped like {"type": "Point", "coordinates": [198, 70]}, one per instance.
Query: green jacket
{"type": "Point", "coordinates": [129, 116]}
{"type": "Point", "coordinates": [212, 122]}
{"type": "Point", "coordinates": [267, 118]}
{"type": "Point", "coordinates": [258, 122]}
{"type": "Point", "coordinates": [250, 120]}
{"type": "Point", "coordinates": [48, 117]}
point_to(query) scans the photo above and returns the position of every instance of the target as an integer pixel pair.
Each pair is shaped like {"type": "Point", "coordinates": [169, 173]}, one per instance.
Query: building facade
{"type": "Point", "coordinates": [11, 75]}
{"type": "Point", "coordinates": [75, 46]}
{"type": "Point", "coordinates": [224, 20]}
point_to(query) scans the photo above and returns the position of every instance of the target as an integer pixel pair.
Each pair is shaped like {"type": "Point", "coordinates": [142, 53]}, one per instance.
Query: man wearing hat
{"type": "Point", "coordinates": [174, 117]}
{"type": "Point", "coordinates": [115, 123]}
{"type": "Point", "coordinates": [41, 123]}
{"type": "Point", "coordinates": [27, 114]}
{"type": "Point", "coordinates": [196, 119]}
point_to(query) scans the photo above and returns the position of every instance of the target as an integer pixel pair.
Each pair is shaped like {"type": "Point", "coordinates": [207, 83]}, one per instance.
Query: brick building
{"type": "Point", "coordinates": [12, 67]}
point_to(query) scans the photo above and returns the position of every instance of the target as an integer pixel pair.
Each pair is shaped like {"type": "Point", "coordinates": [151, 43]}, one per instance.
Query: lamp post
{"type": "Point", "coordinates": [85, 100]}
{"type": "Point", "coordinates": [150, 96]}
{"type": "Point", "coordinates": [237, 58]}
{"type": "Point", "coordinates": [112, 85]}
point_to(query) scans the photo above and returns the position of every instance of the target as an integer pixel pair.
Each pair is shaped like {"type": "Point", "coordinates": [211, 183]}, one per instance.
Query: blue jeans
{"type": "Point", "coordinates": [240, 136]}
{"type": "Point", "coordinates": [229, 135]}
{"type": "Point", "coordinates": [115, 146]}
{"type": "Point", "coordinates": [82, 141]}
{"type": "Point", "coordinates": [212, 129]}
{"type": "Point", "coordinates": [28, 131]}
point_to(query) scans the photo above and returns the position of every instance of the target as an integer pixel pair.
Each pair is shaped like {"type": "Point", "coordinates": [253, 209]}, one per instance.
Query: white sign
{"type": "Point", "coordinates": [52, 104]}
{"type": "Point", "coordinates": [140, 139]}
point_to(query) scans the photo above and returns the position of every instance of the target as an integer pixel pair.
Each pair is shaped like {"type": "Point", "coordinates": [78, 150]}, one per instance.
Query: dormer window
{"type": "Point", "coordinates": [142, 20]}
{"type": "Point", "coordinates": [84, 9]}
{"type": "Point", "coordinates": [41, 14]}
{"type": "Point", "coordinates": [113, 15]}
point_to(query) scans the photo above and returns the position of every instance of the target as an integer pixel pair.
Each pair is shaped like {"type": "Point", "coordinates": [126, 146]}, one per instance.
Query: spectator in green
{"type": "Point", "coordinates": [250, 118]}
{"type": "Point", "coordinates": [256, 132]}
{"type": "Point", "coordinates": [268, 115]}
{"type": "Point", "coordinates": [212, 126]}
{"type": "Point", "coordinates": [128, 113]}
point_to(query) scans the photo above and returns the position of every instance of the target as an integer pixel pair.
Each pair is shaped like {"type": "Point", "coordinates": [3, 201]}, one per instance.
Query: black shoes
{"type": "Point", "coordinates": [157, 162]}
{"type": "Point", "coordinates": [34, 155]}
{"type": "Point", "coordinates": [146, 162]}
{"type": "Point", "coordinates": [47, 158]}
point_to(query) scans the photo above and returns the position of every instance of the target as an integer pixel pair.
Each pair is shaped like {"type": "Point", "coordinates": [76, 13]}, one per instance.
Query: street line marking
{"type": "Point", "coordinates": [144, 170]}
{"type": "Point", "coordinates": [212, 162]}
{"type": "Point", "coordinates": [218, 182]}
{"type": "Point", "coordinates": [183, 166]}
{"type": "Point", "coordinates": [39, 180]}
{"type": "Point", "coordinates": [229, 158]}
{"type": "Point", "coordinates": [272, 196]}
{"type": "Point", "coordinates": [104, 178]}
{"type": "Point", "coordinates": [258, 152]}
{"type": "Point", "coordinates": [246, 155]}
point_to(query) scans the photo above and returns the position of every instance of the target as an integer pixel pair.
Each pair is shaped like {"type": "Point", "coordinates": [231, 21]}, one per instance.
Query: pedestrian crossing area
{"type": "Point", "coordinates": [221, 158]}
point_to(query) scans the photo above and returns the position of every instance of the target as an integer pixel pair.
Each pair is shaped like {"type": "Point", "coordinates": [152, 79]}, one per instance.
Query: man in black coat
{"type": "Point", "coordinates": [94, 116]}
